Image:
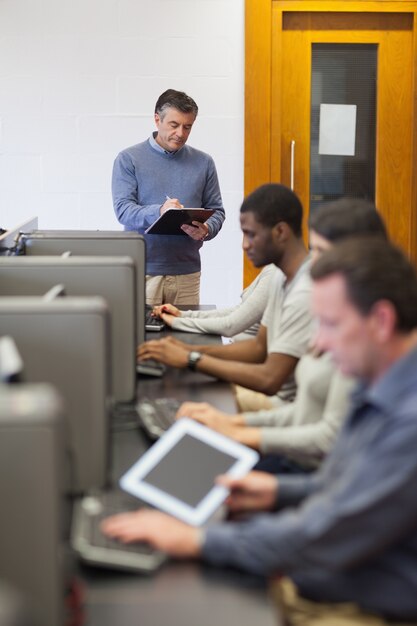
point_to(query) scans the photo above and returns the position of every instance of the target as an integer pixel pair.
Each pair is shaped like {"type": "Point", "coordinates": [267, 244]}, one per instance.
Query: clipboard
{"type": "Point", "coordinates": [170, 222]}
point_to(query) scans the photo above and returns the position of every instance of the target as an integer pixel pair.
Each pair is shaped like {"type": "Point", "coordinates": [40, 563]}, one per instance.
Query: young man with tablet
{"type": "Point", "coordinates": [346, 536]}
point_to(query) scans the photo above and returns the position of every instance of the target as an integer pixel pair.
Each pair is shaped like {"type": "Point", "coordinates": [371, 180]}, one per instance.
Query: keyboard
{"type": "Point", "coordinates": [153, 323]}
{"type": "Point", "coordinates": [95, 548]}
{"type": "Point", "coordinates": [157, 415]}
{"type": "Point", "coordinates": [150, 367]}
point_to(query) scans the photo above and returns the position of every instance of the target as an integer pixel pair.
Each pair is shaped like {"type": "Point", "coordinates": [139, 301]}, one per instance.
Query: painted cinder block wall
{"type": "Point", "coordinates": [78, 83]}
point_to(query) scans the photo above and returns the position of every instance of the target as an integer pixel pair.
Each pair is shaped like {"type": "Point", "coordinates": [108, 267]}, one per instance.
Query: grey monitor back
{"type": "Point", "coordinates": [11, 240]}
{"type": "Point", "coordinates": [66, 343]}
{"type": "Point", "coordinates": [32, 525]}
{"type": "Point", "coordinates": [113, 278]}
{"type": "Point", "coordinates": [96, 243]}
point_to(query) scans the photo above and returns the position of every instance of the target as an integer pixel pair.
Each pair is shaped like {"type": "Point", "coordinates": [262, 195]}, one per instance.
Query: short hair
{"type": "Point", "coordinates": [175, 100]}
{"type": "Point", "coordinates": [347, 217]}
{"type": "Point", "coordinates": [373, 270]}
{"type": "Point", "coordinates": [273, 203]}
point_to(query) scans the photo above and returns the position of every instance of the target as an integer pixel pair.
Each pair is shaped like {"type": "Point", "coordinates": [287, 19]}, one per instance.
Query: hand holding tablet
{"type": "Point", "coordinates": [170, 222]}
{"type": "Point", "coordinates": [177, 473]}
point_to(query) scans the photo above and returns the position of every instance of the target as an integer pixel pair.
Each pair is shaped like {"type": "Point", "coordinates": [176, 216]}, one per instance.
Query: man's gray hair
{"type": "Point", "coordinates": [175, 100]}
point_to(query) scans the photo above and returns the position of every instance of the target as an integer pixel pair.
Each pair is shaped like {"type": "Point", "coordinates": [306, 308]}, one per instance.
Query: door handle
{"type": "Point", "coordinates": [292, 164]}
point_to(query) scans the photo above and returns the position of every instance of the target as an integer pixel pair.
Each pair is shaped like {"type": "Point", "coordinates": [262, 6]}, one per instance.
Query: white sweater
{"type": "Point", "coordinates": [241, 321]}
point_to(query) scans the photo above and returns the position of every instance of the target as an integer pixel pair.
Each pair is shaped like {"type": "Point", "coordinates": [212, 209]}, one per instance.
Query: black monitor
{"type": "Point", "coordinates": [95, 243]}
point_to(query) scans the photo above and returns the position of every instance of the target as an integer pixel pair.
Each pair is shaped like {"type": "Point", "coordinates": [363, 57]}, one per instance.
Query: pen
{"type": "Point", "coordinates": [167, 197]}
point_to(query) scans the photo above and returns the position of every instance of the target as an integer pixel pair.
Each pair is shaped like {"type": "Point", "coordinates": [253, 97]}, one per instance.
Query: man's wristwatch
{"type": "Point", "coordinates": [193, 359]}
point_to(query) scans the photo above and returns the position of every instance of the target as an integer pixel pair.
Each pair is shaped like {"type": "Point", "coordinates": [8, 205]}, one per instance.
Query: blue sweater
{"type": "Point", "coordinates": [143, 175]}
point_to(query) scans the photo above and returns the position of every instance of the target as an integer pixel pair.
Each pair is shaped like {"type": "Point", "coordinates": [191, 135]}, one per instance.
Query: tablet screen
{"type": "Point", "coordinates": [177, 474]}
{"type": "Point", "coordinates": [172, 474]}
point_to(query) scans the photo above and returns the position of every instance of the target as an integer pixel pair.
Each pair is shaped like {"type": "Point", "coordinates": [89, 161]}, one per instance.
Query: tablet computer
{"type": "Point", "coordinates": [177, 473]}
{"type": "Point", "coordinates": [170, 222]}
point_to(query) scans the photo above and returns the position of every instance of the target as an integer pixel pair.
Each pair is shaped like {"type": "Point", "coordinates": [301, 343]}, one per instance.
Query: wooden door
{"type": "Point", "coordinates": [296, 27]}
{"type": "Point", "coordinates": [392, 35]}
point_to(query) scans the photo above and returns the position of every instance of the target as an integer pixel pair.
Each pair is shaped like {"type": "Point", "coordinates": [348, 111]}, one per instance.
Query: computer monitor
{"type": "Point", "coordinates": [95, 243]}
{"type": "Point", "coordinates": [11, 364]}
{"type": "Point", "coordinates": [113, 278]}
{"type": "Point", "coordinates": [11, 239]}
{"type": "Point", "coordinates": [34, 561]}
{"type": "Point", "coordinates": [66, 343]}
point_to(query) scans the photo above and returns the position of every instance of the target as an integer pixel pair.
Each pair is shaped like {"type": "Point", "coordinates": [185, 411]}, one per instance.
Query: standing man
{"type": "Point", "coordinates": [164, 173]}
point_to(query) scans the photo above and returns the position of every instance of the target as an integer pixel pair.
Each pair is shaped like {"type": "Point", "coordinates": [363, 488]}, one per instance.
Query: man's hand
{"type": "Point", "coordinates": [167, 350]}
{"type": "Point", "coordinates": [158, 529]}
{"type": "Point", "coordinates": [257, 491]}
{"type": "Point", "coordinates": [170, 203]}
{"type": "Point", "coordinates": [197, 231]}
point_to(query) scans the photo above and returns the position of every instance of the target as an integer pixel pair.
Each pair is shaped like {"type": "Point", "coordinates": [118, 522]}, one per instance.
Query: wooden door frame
{"type": "Point", "coordinates": [258, 85]}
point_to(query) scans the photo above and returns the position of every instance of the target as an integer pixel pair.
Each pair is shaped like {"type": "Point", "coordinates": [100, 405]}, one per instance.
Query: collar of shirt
{"type": "Point", "coordinates": [305, 266]}
{"type": "Point", "coordinates": [155, 145]}
{"type": "Point", "coordinates": [392, 386]}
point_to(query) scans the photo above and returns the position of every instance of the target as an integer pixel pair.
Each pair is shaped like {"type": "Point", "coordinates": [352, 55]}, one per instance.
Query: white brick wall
{"type": "Point", "coordinates": [78, 83]}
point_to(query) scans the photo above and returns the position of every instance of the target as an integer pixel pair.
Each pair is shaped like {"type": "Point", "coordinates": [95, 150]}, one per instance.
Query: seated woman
{"type": "Point", "coordinates": [298, 435]}
{"type": "Point", "coordinates": [240, 322]}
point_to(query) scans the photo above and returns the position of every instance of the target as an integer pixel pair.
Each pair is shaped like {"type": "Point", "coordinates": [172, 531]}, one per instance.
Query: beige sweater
{"type": "Point", "coordinates": [304, 430]}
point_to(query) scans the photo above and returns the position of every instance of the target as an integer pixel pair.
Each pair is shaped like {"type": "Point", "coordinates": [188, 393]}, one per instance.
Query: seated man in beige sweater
{"type": "Point", "coordinates": [271, 220]}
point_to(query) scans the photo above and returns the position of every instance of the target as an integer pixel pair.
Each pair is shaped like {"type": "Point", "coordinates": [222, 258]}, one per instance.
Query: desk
{"type": "Point", "coordinates": [180, 593]}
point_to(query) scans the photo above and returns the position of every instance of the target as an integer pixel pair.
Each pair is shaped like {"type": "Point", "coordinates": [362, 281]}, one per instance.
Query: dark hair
{"type": "Point", "coordinates": [373, 270]}
{"type": "Point", "coordinates": [176, 100]}
{"type": "Point", "coordinates": [347, 217]}
{"type": "Point", "coordinates": [273, 203]}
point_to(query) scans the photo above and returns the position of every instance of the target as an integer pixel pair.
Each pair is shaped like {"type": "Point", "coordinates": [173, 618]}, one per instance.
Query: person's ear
{"type": "Point", "coordinates": [384, 320]}
{"type": "Point", "coordinates": [280, 231]}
